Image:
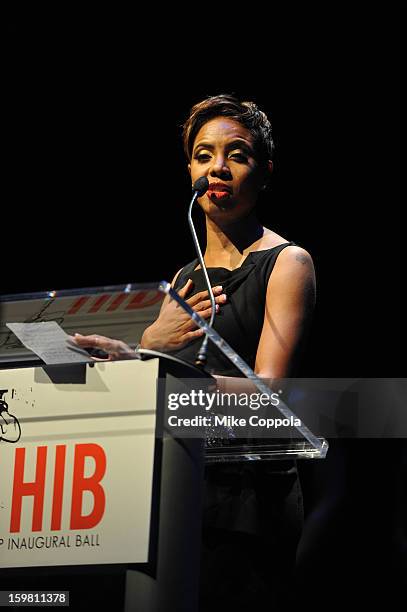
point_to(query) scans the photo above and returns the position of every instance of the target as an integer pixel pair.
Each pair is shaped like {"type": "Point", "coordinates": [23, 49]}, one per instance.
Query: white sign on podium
{"type": "Point", "coordinates": [76, 465]}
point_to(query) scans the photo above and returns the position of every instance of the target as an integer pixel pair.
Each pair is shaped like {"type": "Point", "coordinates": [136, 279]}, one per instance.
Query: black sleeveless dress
{"type": "Point", "coordinates": [253, 510]}
{"type": "Point", "coordinates": [240, 320]}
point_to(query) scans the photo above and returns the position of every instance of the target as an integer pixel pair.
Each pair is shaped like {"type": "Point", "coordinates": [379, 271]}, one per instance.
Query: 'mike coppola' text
{"type": "Point", "coordinates": [232, 421]}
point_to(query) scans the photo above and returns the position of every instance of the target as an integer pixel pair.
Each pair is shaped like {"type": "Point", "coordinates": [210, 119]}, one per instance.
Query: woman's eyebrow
{"type": "Point", "coordinates": [205, 144]}
{"type": "Point", "coordinates": [240, 143]}
{"type": "Point", "coordinates": [236, 142]}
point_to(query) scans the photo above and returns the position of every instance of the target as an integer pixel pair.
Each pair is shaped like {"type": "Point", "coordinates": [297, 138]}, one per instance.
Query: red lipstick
{"type": "Point", "coordinates": [219, 191]}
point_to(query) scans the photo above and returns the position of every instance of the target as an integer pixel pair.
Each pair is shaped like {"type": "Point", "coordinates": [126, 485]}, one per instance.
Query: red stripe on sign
{"type": "Point", "coordinates": [99, 303]}
{"type": "Point", "coordinates": [116, 302]}
{"type": "Point", "coordinates": [135, 302]}
{"type": "Point", "coordinates": [77, 305]}
{"type": "Point", "coordinates": [158, 297]}
{"type": "Point", "coordinates": [140, 301]}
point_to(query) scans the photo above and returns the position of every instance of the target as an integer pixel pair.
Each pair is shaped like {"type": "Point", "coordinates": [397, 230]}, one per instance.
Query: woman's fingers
{"type": "Point", "coordinates": [205, 314]}
{"type": "Point", "coordinates": [83, 342]}
{"type": "Point", "coordinates": [204, 309]}
{"type": "Point", "coordinates": [198, 297]}
{"type": "Point", "coordinates": [193, 334]}
{"type": "Point", "coordinates": [205, 304]}
{"type": "Point", "coordinates": [190, 325]}
{"type": "Point", "coordinates": [114, 348]}
{"type": "Point", "coordinates": [91, 341]}
{"type": "Point", "coordinates": [187, 287]}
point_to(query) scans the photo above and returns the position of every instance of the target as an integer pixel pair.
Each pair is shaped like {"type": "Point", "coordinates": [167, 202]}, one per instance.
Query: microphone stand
{"type": "Point", "coordinates": [201, 355]}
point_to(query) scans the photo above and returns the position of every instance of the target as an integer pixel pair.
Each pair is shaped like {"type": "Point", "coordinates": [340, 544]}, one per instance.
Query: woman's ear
{"type": "Point", "coordinates": [189, 168]}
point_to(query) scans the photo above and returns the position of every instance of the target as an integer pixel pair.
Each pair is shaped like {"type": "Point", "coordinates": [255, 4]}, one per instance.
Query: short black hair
{"type": "Point", "coordinates": [246, 113]}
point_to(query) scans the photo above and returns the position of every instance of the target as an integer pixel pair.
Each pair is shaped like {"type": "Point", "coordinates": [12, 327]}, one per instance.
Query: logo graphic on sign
{"type": "Point", "coordinates": [10, 430]}
{"type": "Point", "coordinates": [82, 484]}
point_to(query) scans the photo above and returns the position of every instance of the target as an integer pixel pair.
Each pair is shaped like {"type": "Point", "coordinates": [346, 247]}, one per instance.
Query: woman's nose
{"type": "Point", "coordinates": [219, 166]}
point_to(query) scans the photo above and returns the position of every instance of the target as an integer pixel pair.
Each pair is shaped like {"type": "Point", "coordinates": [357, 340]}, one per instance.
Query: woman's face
{"type": "Point", "coordinates": [223, 152]}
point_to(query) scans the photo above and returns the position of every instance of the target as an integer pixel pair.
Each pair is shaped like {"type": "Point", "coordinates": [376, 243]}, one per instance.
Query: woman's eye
{"type": "Point", "coordinates": [239, 157]}
{"type": "Point", "coordinates": [202, 157]}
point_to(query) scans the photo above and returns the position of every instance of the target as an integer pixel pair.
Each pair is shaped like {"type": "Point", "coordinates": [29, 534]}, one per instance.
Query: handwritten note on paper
{"type": "Point", "coordinates": [49, 341]}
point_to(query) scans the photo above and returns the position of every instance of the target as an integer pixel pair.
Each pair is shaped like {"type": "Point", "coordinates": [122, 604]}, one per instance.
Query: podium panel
{"type": "Point", "coordinates": [77, 464]}
{"type": "Point", "coordinates": [94, 486]}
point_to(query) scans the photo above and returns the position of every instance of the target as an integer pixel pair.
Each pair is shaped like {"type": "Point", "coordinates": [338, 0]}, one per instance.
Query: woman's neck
{"type": "Point", "coordinates": [227, 245]}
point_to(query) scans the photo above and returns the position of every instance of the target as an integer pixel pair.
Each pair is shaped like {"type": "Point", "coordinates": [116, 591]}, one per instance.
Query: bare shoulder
{"type": "Point", "coordinates": [293, 267]}
{"type": "Point", "coordinates": [294, 255]}
{"type": "Point", "coordinates": [269, 240]}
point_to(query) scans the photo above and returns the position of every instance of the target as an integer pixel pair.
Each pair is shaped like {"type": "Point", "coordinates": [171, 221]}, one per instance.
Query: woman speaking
{"type": "Point", "coordinates": [264, 287]}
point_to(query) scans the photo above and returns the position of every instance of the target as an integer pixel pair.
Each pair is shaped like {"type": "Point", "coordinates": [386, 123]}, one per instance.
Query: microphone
{"type": "Point", "coordinates": [198, 190]}
{"type": "Point", "coordinates": [201, 186]}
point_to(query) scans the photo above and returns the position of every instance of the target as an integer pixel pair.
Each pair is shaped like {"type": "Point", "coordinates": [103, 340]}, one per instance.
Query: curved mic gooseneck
{"type": "Point", "coordinates": [199, 189]}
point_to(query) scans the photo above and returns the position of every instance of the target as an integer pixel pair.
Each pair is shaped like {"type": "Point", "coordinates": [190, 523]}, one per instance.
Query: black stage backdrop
{"type": "Point", "coordinates": [96, 192]}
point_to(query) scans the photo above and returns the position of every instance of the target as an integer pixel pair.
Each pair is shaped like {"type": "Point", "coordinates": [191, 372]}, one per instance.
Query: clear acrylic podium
{"type": "Point", "coordinates": [124, 312]}
{"type": "Point", "coordinates": [302, 443]}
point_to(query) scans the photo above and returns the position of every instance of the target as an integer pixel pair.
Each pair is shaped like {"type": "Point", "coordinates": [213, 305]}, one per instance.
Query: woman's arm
{"type": "Point", "coordinates": [290, 302]}
{"type": "Point", "coordinates": [172, 329]}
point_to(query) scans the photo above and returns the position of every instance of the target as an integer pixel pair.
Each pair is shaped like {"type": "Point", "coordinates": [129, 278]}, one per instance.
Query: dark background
{"type": "Point", "coordinates": [96, 192]}
{"type": "Point", "coordinates": [96, 186]}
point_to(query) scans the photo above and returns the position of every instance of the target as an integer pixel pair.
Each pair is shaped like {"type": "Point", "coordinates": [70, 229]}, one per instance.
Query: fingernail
{"type": "Point", "coordinates": [218, 288]}
{"type": "Point", "coordinates": [217, 307]}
